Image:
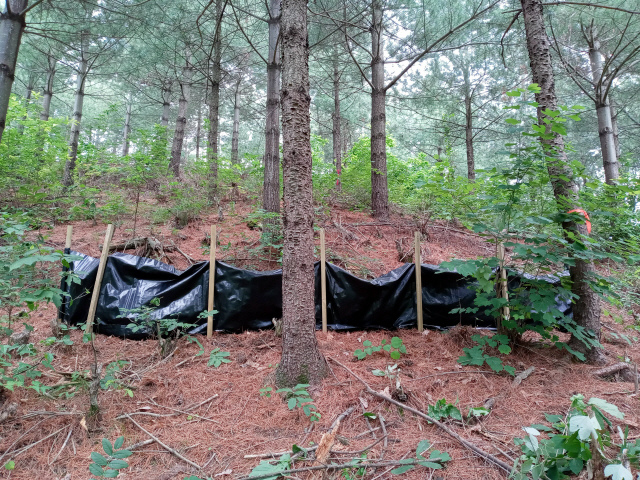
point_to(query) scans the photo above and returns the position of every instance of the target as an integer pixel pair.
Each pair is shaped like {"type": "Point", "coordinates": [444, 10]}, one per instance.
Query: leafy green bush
{"type": "Point", "coordinates": [107, 466]}
{"type": "Point", "coordinates": [573, 440]}
{"type": "Point", "coordinates": [298, 397]}
{"type": "Point", "coordinates": [395, 348]}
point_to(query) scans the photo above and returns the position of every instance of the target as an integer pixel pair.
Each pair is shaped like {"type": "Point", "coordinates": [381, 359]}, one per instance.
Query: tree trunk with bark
{"type": "Point", "coordinates": [603, 111]}
{"type": "Point", "coordinates": [337, 138]}
{"type": "Point", "coordinates": [198, 130]}
{"type": "Point", "coordinates": [181, 121]}
{"type": "Point", "coordinates": [236, 125]}
{"type": "Point", "coordinates": [379, 191]}
{"type": "Point", "coordinates": [586, 309]}
{"type": "Point", "coordinates": [47, 93]}
{"type": "Point", "coordinates": [12, 25]}
{"type": "Point", "coordinates": [301, 360]}
{"type": "Point", "coordinates": [271, 192]}
{"type": "Point", "coordinates": [213, 95]}
{"type": "Point", "coordinates": [70, 166]}
{"type": "Point", "coordinates": [127, 127]}
{"type": "Point", "coordinates": [614, 124]}
{"type": "Point", "coordinates": [471, 163]}
{"type": "Point", "coordinates": [166, 102]}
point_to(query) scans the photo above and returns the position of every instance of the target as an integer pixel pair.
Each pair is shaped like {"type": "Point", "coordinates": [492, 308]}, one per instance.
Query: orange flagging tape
{"type": "Point", "coordinates": [586, 217]}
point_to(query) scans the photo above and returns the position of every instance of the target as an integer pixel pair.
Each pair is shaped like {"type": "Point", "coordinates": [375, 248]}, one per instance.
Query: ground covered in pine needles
{"type": "Point", "coordinates": [216, 416]}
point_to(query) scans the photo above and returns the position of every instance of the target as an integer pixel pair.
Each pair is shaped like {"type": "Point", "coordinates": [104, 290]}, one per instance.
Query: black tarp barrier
{"type": "Point", "coordinates": [246, 299]}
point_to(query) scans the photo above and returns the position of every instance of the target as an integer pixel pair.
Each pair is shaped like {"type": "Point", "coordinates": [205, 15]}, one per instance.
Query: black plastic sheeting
{"type": "Point", "coordinates": [249, 300]}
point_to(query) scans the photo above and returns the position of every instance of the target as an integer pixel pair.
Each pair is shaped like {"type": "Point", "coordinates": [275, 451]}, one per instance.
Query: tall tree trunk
{"type": "Point", "coordinates": [127, 128]}
{"type": "Point", "coordinates": [379, 191]}
{"type": "Point", "coordinates": [468, 129]}
{"type": "Point", "coordinates": [586, 309]}
{"type": "Point", "coordinates": [301, 360]}
{"type": "Point", "coordinates": [605, 127]}
{"type": "Point", "coordinates": [614, 124]}
{"type": "Point", "coordinates": [31, 80]}
{"type": "Point", "coordinates": [70, 166]}
{"type": "Point", "coordinates": [214, 106]}
{"type": "Point", "coordinates": [166, 102]}
{"type": "Point", "coordinates": [236, 125]}
{"type": "Point", "coordinates": [198, 129]}
{"type": "Point", "coordinates": [11, 27]}
{"type": "Point", "coordinates": [181, 121]}
{"type": "Point", "coordinates": [271, 192]}
{"type": "Point", "coordinates": [47, 93]}
{"type": "Point", "coordinates": [337, 138]}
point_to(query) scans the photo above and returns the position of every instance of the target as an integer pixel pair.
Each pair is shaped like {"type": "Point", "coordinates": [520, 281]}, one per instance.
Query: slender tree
{"type": "Point", "coordinates": [236, 124]}
{"type": "Point", "coordinates": [12, 23]}
{"type": "Point", "coordinates": [586, 309]}
{"type": "Point", "coordinates": [301, 361]}
{"type": "Point", "coordinates": [181, 120]}
{"type": "Point", "coordinates": [126, 131]}
{"type": "Point", "coordinates": [78, 104]}
{"type": "Point", "coordinates": [47, 92]}
{"type": "Point", "coordinates": [213, 100]}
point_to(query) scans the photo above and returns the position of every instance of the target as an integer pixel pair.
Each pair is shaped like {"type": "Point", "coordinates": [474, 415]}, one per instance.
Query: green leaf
{"type": "Point", "coordinates": [618, 472]}
{"type": "Point", "coordinates": [106, 446]}
{"type": "Point", "coordinates": [10, 465]}
{"type": "Point", "coordinates": [118, 443]}
{"type": "Point", "coordinates": [110, 473]}
{"type": "Point", "coordinates": [99, 459]}
{"type": "Point", "coordinates": [585, 426]}
{"type": "Point", "coordinates": [513, 121]}
{"type": "Point", "coordinates": [605, 406]}
{"type": "Point", "coordinates": [401, 470]}
{"type": "Point", "coordinates": [422, 446]}
{"type": "Point", "coordinates": [369, 415]}
{"type": "Point", "coordinates": [291, 403]}
{"type": "Point", "coordinates": [367, 343]}
{"type": "Point", "coordinates": [505, 349]}
{"type": "Point", "coordinates": [435, 466]}
{"type": "Point", "coordinates": [96, 470]}
{"type": "Point", "coordinates": [122, 454]}
{"type": "Point", "coordinates": [117, 464]}
{"type": "Point", "coordinates": [396, 342]}
{"type": "Point", "coordinates": [495, 364]}
{"type": "Point", "coordinates": [395, 355]}
{"type": "Point", "coordinates": [576, 465]}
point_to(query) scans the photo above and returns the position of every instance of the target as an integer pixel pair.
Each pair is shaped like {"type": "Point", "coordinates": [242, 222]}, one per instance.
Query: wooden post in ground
{"type": "Point", "coordinates": [212, 279]}
{"type": "Point", "coordinates": [67, 243]}
{"type": "Point", "coordinates": [323, 281]}
{"type": "Point", "coordinates": [96, 288]}
{"type": "Point", "coordinates": [418, 263]}
{"type": "Point", "coordinates": [503, 290]}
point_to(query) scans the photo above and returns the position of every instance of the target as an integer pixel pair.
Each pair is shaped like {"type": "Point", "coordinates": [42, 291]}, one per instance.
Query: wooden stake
{"type": "Point", "coordinates": [212, 279]}
{"type": "Point", "coordinates": [96, 288]}
{"type": "Point", "coordinates": [503, 290]}
{"type": "Point", "coordinates": [418, 263]}
{"type": "Point", "coordinates": [67, 243]}
{"type": "Point", "coordinates": [323, 281]}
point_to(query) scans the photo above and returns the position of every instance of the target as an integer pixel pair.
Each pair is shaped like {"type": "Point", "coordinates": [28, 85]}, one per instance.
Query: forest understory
{"type": "Point", "coordinates": [217, 419]}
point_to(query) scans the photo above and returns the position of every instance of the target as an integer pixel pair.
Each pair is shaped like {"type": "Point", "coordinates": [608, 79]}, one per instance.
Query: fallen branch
{"type": "Point", "coordinates": [469, 445]}
{"type": "Point", "coordinates": [63, 445]}
{"type": "Point", "coordinates": [333, 467]}
{"type": "Point", "coordinates": [169, 449]}
{"type": "Point", "coordinates": [450, 373]}
{"type": "Point", "coordinates": [19, 438]}
{"type": "Point", "coordinates": [188, 409]}
{"type": "Point", "coordinates": [623, 369]}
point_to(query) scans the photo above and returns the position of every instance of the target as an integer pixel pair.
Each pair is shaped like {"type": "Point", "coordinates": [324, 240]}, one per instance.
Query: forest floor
{"type": "Point", "coordinates": [239, 422]}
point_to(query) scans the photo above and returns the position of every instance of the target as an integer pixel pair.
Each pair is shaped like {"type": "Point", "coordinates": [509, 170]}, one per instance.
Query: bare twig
{"type": "Point", "coordinates": [440, 425]}
{"type": "Point", "coordinates": [169, 449]}
{"type": "Point", "coordinates": [63, 445]}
